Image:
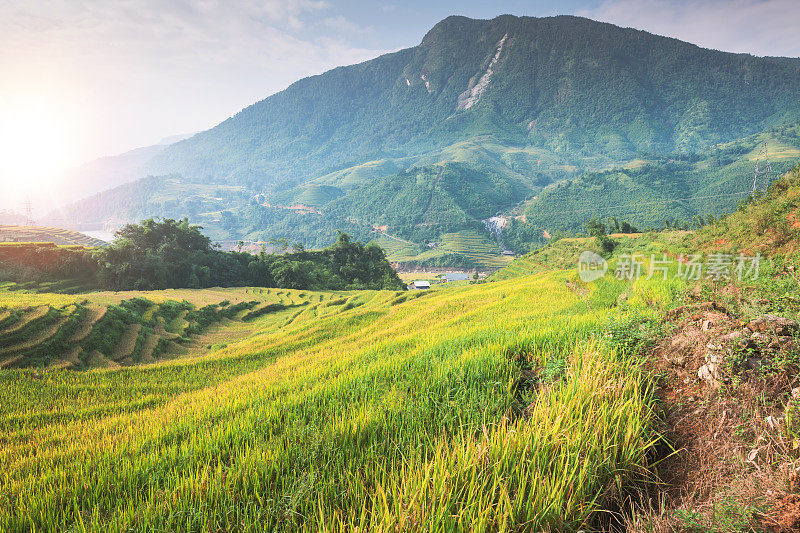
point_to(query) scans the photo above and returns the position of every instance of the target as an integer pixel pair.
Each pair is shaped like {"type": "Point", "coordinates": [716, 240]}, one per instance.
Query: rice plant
{"type": "Point", "coordinates": [369, 410]}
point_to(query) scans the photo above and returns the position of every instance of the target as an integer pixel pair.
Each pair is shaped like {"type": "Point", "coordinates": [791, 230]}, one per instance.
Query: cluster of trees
{"type": "Point", "coordinates": [597, 229]}
{"type": "Point", "coordinates": [169, 253]}
{"type": "Point", "coordinates": [696, 222]}
{"type": "Point", "coordinates": [522, 237]}
{"type": "Point", "coordinates": [45, 262]}
{"type": "Point", "coordinates": [161, 254]}
{"type": "Point", "coordinates": [346, 264]}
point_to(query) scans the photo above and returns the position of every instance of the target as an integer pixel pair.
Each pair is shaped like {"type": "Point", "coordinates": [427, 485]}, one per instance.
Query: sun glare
{"type": "Point", "coordinates": [33, 146]}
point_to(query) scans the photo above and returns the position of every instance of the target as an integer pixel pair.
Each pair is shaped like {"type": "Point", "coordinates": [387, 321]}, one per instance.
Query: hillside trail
{"type": "Point", "coordinates": [398, 239]}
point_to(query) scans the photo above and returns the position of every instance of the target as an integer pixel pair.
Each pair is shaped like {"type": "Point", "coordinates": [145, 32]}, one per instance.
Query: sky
{"type": "Point", "coordinates": [81, 79]}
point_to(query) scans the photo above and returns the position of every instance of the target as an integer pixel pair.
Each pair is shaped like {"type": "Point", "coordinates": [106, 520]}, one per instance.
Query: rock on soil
{"type": "Point", "coordinates": [773, 324]}
{"type": "Point", "coordinates": [754, 344]}
{"type": "Point", "coordinates": [709, 336]}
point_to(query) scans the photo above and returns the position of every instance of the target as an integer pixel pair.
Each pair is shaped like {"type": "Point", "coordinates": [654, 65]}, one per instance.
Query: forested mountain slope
{"type": "Point", "coordinates": [564, 83]}
{"type": "Point", "coordinates": [521, 101]}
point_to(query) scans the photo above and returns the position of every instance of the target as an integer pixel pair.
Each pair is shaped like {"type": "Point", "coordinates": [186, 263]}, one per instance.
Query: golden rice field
{"type": "Point", "coordinates": [370, 410]}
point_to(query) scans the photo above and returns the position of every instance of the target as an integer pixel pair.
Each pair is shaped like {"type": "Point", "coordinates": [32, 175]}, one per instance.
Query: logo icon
{"type": "Point", "coordinates": [591, 266]}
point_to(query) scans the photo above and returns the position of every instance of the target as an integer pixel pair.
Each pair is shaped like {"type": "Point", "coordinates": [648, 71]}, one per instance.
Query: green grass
{"type": "Point", "coordinates": [358, 174]}
{"type": "Point", "coordinates": [342, 410]}
{"type": "Point", "coordinates": [560, 254]}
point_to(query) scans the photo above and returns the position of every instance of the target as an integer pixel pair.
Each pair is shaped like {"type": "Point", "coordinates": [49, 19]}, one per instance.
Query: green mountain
{"type": "Point", "coordinates": [564, 83]}
{"type": "Point", "coordinates": [503, 108]}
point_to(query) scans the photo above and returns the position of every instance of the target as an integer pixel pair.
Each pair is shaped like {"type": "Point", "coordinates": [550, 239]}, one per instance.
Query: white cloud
{"type": "Point", "coordinates": [759, 27]}
{"type": "Point", "coordinates": [138, 70]}
{"type": "Point", "coordinates": [342, 24]}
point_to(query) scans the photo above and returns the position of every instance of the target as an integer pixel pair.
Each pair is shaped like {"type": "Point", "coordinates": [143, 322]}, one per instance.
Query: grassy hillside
{"type": "Point", "coordinates": [768, 224]}
{"type": "Point", "coordinates": [734, 432]}
{"type": "Point", "coordinates": [561, 254]}
{"type": "Point", "coordinates": [533, 400]}
{"type": "Point", "coordinates": [566, 84]}
{"type": "Point", "coordinates": [423, 203]}
{"type": "Point", "coordinates": [368, 409]}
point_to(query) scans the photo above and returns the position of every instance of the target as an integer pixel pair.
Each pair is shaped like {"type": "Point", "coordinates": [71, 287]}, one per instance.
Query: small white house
{"type": "Point", "coordinates": [421, 285]}
{"type": "Point", "coordinates": [455, 276]}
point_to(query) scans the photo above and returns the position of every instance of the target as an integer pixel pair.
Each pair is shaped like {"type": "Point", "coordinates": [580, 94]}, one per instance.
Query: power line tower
{"type": "Point", "coordinates": [762, 175]}
{"type": "Point", "coordinates": [28, 211]}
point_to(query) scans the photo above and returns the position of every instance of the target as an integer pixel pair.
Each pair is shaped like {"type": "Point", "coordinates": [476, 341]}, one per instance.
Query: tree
{"type": "Point", "coordinates": [597, 229]}
{"type": "Point", "coordinates": [161, 254]}
{"type": "Point", "coordinates": [280, 244]}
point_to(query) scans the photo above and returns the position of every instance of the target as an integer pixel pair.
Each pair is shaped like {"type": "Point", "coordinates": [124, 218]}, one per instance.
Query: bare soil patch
{"type": "Point", "coordinates": [731, 466]}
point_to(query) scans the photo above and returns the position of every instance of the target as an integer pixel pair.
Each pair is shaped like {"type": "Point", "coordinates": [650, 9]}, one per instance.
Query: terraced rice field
{"type": "Point", "coordinates": [111, 329]}
{"type": "Point", "coordinates": [521, 266]}
{"type": "Point", "coordinates": [471, 244]}
{"type": "Point", "coordinates": [476, 246]}
{"type": "Point", "coordinates": [394, 248]}
{"type": "Point", "coordinates": [44, 234]}
{"type": "Point", "coordinates": [336, 411]}
{"type": "Point", "coordinates": [359, 174]}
